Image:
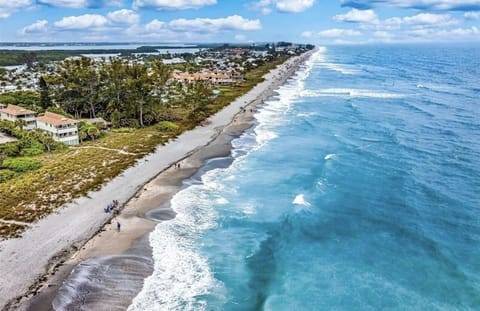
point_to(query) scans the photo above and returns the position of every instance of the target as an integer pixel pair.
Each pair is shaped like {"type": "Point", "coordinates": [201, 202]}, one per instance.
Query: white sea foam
{"type": "Point", "coordinates": [329, 156]}
{"type": "Point", "coordinates": [181, 273]}
{"type": "Point", "coordinates": [346, 92]}
{"type": "Point", "coordinates": [343, 69]}
{"type": "Point", "coordinates": [272, 114]}
{"type": "Point", "coordinates": [249, 209]}
{"type": "Point", "coordinates": [300, 200]}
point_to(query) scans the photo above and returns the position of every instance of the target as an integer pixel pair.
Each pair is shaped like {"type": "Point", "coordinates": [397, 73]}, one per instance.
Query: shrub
{"type": "Point", "coordinates": [10, 149]}
{"type": "Point", "coordinates": [21, 165]}
{"type": "Point", "coordinates": [36, 148]}
{"type": "Point", "coordinates": [6, 175]}
{"type": "Point", "coordinates": [167, 126]}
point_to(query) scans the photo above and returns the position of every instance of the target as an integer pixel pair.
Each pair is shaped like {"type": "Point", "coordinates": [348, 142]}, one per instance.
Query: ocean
{"type": "Point", "coordinates": [357, 189]}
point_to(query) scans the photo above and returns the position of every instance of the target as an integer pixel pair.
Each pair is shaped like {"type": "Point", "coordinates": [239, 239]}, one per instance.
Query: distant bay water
{"type": "Point", "coordinates": [85, 46]}
{"type": "Point", "coordinates": [358, 189]}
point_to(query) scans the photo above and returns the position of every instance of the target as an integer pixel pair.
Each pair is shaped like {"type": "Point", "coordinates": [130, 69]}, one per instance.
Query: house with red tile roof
{"type": "Point", "coordinates": [61, 128]}
{"type": "Point", "coordinates": [14, 113]}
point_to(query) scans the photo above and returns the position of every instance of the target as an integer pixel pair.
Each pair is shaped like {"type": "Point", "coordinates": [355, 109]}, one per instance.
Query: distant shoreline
{"type": "Point", "coordinates": [191, 149]}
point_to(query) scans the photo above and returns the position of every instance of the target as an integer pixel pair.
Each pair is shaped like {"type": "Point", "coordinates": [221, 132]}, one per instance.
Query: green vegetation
{"type": "Point", "coordinates": [21, 165]}
{"type": "Point", "coordinates": [167, 126]}
{"type": "Point", "coordinates": [28, 144]}
{"type": "Point", "coordinates": [29, 100]}
{"type": "Point", "coordinates": [6, 175]}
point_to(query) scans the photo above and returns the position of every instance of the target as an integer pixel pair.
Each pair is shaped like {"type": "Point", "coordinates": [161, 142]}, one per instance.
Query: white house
{"type": "Point", "coordinates": [14, 113]}
{"type": "Point", "coordinates": [59, 127]}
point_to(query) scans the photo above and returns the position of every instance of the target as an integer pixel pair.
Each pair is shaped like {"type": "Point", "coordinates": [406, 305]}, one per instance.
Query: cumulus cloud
{"type": "Point", "coordinates": [79, 4]}
{"type": "Point", "coordinates": [294, 6]}
{"type": "Point", "coordinates": [357, 16]}
{"type": "Point", "coordinates": [124, 16]}
{"type": "Point", "coordinates": [172, 4]}
{"type": "Point", "coordinates": [307, 34]}
{"type": "Point", "coordinates": [234, 22]}
{"type": "Point", "coordinates": [421, 20]}
{"type": "Point", "coordinates": [337, 32]}
{"type": "Point", "coordinates": [287, 6]}
{"type": "Point", "coordinates": [7, 7]}
{"type": "Point", "coordinates": [37, 27]}
{"type": "Point", "coordinates": [155, 26]}
{"type": "Point", "coordinates": [86, 21]}
{"type": "Point", "coordinates": [445, 5]}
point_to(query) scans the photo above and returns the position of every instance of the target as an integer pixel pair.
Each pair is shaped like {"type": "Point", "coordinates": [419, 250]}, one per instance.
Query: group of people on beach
{"type": "Point", "coordinates": [112, 207]}
{"type": "Point", "coordinates": [115, 208]}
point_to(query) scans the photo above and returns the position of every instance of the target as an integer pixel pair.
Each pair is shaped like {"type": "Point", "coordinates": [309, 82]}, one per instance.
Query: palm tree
{"type": "Point", "coordinates": [47, 141]}
{"type": "Point", "coordinates": [92, 131]}
{"type": "Point", "coordinates": [20, 123]}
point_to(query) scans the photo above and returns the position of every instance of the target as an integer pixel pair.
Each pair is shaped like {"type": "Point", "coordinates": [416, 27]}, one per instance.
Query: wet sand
{"type": "Point", "coordinates": [126, 255]}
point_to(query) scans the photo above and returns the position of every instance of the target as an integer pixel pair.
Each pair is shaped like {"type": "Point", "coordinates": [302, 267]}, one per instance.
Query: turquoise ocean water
{"type": "Point", "coordinates": [358, 189]}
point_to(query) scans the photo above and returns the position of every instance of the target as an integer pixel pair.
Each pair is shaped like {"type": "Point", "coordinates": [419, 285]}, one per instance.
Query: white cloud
{"type": "Point", "coordinates": [357, 16]}
{"type": "Point", "coordinates": [172, 4]}
{"type": "Point", "coordinates": [124, 16]}
{"type": "Point", "coordinates": [79, 4]}
{"type": "Point", "coordinates": [7, 7]}
{"type": "Point", "coordinates": [472, 15]}
{"type": "Point", "coordinates": [336, 32]}
{"type": "Point", "coordinates": [421, 20]}
{"type": "Point", "coordinates": [287, 6]}
{"type": "Point", "coordinates": [429, 19]}
{"type": "Point", "coordinates": [446, 5]}
{"type": "Point", "coordinates": [382, 34]}
{"type": "Point", "coordinates": [86, 21]}
{"type": "Point", "coordinates": [37, 27]}
{"type": "Point", "coordinates": [294, 6]}
{"type": "Point", "coordinates": [234, 22]}
{"type": "Point", "coordinates": [155, 26]}
{"type": "Point", "coordinates": [307, 34]}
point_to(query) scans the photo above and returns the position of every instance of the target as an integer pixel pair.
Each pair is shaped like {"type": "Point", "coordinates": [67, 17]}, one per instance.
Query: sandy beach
{"type": "Point", "coordinates": [80, 235]}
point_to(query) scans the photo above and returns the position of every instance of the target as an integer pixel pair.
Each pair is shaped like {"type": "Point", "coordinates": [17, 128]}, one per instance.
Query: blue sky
{"type": "Point", "coordinates": [315, 21]}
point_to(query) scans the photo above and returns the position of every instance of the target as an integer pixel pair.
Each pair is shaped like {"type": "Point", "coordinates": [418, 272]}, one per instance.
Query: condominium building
{"type": "Point", "coordinates": [14, 113]}
{"type": "Point", "coordinates": [59, 127]}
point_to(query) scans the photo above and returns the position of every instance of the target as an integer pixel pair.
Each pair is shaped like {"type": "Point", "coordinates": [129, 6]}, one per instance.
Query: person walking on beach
{"type": "Point", "coordinates": [118, 226]}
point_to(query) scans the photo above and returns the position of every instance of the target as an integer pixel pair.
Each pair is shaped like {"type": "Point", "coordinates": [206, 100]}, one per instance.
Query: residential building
{"type": "Point", "coordinates": [14, 113]}
{"type": "Point", "coordinates": [215, 77]}
{"type": "Point", "coordinates": [59, 127]}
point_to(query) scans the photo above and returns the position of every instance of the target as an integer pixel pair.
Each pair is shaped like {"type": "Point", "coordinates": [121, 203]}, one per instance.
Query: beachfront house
{"type": "Point", "coordinates": [15, 113]}
{"type": "Point", "coordinates": [59, 127]}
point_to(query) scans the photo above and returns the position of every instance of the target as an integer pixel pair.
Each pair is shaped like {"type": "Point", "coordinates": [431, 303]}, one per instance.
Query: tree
{"type": "Point", "coordinates": [92, 132]}
{"type": "Point", "coordinates": [82, 135]}
{"type": "Point", "coordinates": [113, 85]}
{"type": "Point", "coordinates": [139, 88]}
{"type": "Point", "coordinates": [20, 123]}
{"type": "Point", "coordinates": [47, 141]}
{"type": "Point", "coordinates": [44, 93]}
{"type": "Point", "coordinates": [27, 59]}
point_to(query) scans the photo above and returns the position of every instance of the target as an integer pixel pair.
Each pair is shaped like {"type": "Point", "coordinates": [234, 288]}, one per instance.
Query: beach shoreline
{"type": "Point", "coordinates": [160, 179]}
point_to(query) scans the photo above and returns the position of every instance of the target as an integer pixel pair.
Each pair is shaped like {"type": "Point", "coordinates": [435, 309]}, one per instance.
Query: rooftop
{"type": "Point", "coordinates": [56, 119]}
{"type": "Point", "coordinates": [16, 110]}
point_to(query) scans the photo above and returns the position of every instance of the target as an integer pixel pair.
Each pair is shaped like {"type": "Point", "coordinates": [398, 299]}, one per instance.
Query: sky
{"type": "Point", "coordinates": [301, 21]}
